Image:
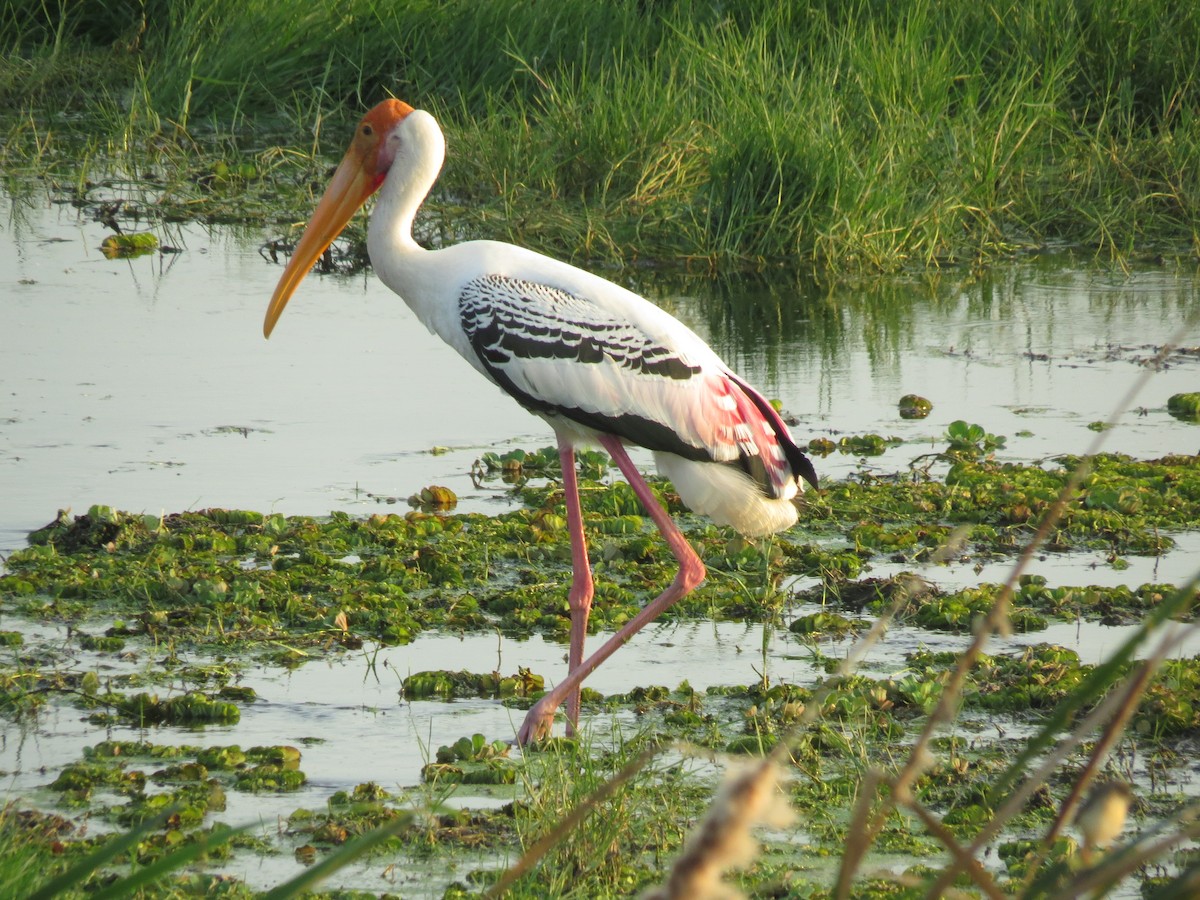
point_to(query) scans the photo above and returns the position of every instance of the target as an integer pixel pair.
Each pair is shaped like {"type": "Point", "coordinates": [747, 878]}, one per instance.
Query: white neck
{"type": "Point", "coordinates": [419, 150]}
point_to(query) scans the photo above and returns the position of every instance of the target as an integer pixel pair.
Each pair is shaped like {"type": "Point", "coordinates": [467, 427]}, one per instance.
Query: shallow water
{"type": "Point", "coordinates": [352, 726]}
{"type": "Point", "coordinates": [146, 385]}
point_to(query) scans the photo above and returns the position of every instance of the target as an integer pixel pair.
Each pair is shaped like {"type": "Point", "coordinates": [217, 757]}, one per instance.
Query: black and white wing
{"type": "Point", "coordinates": [562, 355]}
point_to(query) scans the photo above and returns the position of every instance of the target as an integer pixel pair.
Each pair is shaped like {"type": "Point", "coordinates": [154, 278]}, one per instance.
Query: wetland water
{"type": "Point", "coordinates": [146, 385]}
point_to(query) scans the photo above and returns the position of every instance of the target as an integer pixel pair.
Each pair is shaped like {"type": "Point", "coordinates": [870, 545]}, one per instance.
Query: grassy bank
{"type": "Point", "coordinates": [837, 136]}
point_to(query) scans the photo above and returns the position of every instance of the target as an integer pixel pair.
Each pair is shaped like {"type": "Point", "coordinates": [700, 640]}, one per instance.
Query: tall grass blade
{"type": "Point", "coordinates": [1119, 862]}
{"type": "Point", "coordinates": [172, 862]}
{"type": "Point", "coordinates": [1093, 687]}
{"type": "Point", "coordinates": [571, 821]}
{"type": "Point", "coordinates": [77, 874]}
{"type": "Point", "coordinates": [340, 858]}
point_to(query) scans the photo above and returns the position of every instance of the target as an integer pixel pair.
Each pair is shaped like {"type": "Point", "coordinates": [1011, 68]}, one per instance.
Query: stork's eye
{"type": "Point", "coordinates": [367, 131]}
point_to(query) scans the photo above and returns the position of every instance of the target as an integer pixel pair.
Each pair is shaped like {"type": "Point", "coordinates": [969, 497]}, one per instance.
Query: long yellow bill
{"type": "Point", "coordinates": [359, 174]}
{"type": "Point", "coordinates": [349, 190]}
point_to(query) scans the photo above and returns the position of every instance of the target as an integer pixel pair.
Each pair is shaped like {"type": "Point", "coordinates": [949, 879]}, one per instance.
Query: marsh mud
{"type": "Point", "coordinates": [208, 542]}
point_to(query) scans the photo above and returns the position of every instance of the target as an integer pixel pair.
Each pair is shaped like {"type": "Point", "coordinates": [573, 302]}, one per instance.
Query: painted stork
{"type": "Point", "coordinates": [599, 363]}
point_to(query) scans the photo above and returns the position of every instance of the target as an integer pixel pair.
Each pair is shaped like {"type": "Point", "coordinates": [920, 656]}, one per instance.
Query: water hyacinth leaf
{"type": "Point", "coordinates": [201, 844]}
{"type": "Point", "coordinates": [127, 246]}
{"type": "Point", "coordinates": [476, 748]}
{"type": "Point", "coordinates": [863, 444]}
{"type": "Point", "coordinates": [826, 624]}
{"type": "Point", "coordinates": [339, 859]}
{"type": "Point", "coordinates": [914, 406]}
{"type": "Point", "coordinates": [1094, 685]}
{"type": "Point", "coordinates": [434, 497]}
{"type": "Point", "coordinates": [78, 874]}
{"type": "Point", "coordinates": [1185, 406]}
{"type": "Point", "coordinates": [447, 684]}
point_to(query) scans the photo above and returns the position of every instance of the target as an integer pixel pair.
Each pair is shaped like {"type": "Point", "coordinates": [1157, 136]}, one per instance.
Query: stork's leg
{"type": "Point", "coordinates": [580, 598]}
{"type": "Point", "coordinates": [691, 572]}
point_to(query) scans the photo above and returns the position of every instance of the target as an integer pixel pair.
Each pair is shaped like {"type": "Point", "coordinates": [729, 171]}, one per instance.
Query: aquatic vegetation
{"type": "Point", "coordinates": [826, 624]}
{"type": "Point", "coordinates": [227, 578]}
{"type": "Point", "coordinates": [914, 406]}
{"type": "Point", "coordinates": [517, 465]}
{"type": "Point", "coordinates": [187, 709]}
{"type": "Point", "coordinates": [865, 444]}
{"type": "Point", "coordinates": [475, 748]}
{"type": "Point", "coordinates": [434, 497]}
{"type": "Point", "coordinates": [1017, 855]}
{"type": "Point", "coordinates": [284, 590]}
{"type": "Point", "coordinates": [1170, 708]}
{"type": "Point", "coordinates": [101, 643]}
{"type": "Point", "coordinates": [1033, 602]}
{"type": "Point", "coordinates": [1184, 406]}
{"type": "Point", "coordinates": [472, 760]}
{"type": "Point", "coordinates": [128, 246]}
{"type": "Point", "coordinates": [270, 777]}
{"type": "Point", "coordinates": [971, 441]}
{"type": "Point", "coordinates": [856, 445]}
{"type": "Point", "coordinates": [448, 685]}
{"type": "Point", "coordinates": [193, 782]}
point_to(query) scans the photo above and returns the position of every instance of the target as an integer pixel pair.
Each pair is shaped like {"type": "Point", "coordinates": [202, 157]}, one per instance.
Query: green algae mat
{"type": "Point", "coordinates": [216, 594]}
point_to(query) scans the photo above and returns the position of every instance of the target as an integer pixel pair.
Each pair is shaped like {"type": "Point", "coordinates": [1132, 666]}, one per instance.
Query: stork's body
{"type": "Point", "coordinates": [599, 363]}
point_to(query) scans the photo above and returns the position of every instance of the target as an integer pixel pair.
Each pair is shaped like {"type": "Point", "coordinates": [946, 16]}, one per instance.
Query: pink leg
{"type": "Point", "coordinates": [540, 718]}
{"type": "Point", "coordinates": [580, 598]}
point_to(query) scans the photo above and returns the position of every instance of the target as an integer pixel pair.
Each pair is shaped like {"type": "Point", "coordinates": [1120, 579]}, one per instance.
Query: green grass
{"type": "Point", "coordinates": [834, 136]}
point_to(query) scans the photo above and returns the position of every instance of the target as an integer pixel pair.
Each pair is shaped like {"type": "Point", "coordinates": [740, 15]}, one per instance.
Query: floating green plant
{"type": "Point", "coordinates": [914, 406]}
{"type": "Point", "coordinates": [434, 497]}
{"type": "Point", "coordinates": [824, 624]}
{"type": "Point", "coordinates": [968, 441]}
{"type": "Point", "coordinates": [227, 578]}
{"type": "Point", "coordinates": [1185, 406]}
{"type": "Point", "coordinates": [125, 246]}
{"type": "Point", "coordinates": [472, 760]}
{"type": "Point", "coordinates": [448, 685]}
{"type": "Point", "coordinates": [101, 643]}
{"type": "Point", "coordinates": [270, 778]}
{"type": "Point", "coordinates": [193, 708]}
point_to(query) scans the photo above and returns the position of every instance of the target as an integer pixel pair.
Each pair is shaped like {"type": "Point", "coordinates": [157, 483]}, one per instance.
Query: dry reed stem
{"type": "Point", "coordinates": [691, 875]}
{"type": "Point", "coordinates": [868, 790]}
{"type": "Point", "coordinates": [1017, 799]}
{"type": "Point", "coordinates": [1123, 700]}
{"type": "Point", "coordinates": [966, 861]}
{"type": "Point", "coordinates": [1131, 697]}
{"type": "Point", "coordinates": [723, 840]}
{"type": "Point", "coordinates": [1127, 701]}
{"type": "Point", "coordinates": [1118, 864]}
{"type": "Point", "coordinates": [994, 621]}
{"type": "Point", "coordinates": [947, 702]}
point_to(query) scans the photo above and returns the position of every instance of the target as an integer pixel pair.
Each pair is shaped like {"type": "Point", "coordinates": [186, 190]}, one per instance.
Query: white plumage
{"type": "Point", "coordinates": [722, 493]}
{"type": "Point", "coordinates": [601, 364]}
